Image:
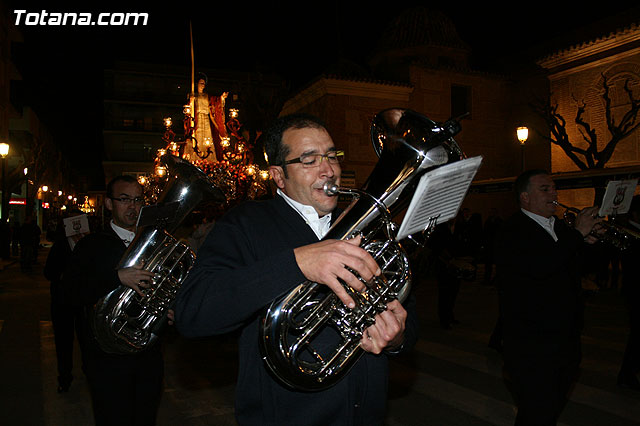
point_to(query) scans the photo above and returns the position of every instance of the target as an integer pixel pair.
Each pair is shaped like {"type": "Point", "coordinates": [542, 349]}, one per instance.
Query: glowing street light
{"type": "Point", "coordinates": [4, 151]}
{"type": "Point", "coordinates": [523, 135]}
{"type": "Point", "coordinates": [26, 189]}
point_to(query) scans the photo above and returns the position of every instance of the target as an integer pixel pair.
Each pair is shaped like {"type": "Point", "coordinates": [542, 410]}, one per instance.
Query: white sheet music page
{"type": "Point", "coordinates": [78, 224]}
{"type": "Point", "coordinates": [439, 194]}
{"type": "Point", "coordinates": [617, 197]}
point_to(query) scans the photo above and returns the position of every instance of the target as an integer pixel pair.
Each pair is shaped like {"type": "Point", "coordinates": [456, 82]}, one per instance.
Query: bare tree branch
{"type": "Point", "coordinates": [590, 158]}
{"type": "Point", "coordinates": [557, 132]}
{"type": "Point", "coordinates": [589, 135]}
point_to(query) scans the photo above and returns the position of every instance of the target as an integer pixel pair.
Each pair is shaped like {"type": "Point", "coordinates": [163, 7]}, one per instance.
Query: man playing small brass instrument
{"type": "Point", "coordinates": [538, 269]}
{"type": "Point", "coordinates": [261, 250]}
{"type": "Point", "coordinates": [630, 367]}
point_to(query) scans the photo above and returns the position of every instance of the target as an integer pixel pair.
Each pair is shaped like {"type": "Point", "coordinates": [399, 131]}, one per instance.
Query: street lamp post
{"type": "Point", "coordinates": [5, 248]}
{"type": "Point", "coordinates": [4, 151]}
{"type": "Point", "coordinates": [26, 191]}
{"type": "Point", "coordinates": [523, 135]}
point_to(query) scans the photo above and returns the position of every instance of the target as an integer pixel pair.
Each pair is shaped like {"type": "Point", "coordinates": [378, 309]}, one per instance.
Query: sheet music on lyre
{"type": "Point", "coordinates": [617, 197]}
{"type": "Point", "coordinates": [439, 194]}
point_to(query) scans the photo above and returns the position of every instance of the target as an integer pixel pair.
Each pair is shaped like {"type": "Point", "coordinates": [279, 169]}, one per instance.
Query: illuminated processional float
{"type": "Point", "coordinates": [215, 142]}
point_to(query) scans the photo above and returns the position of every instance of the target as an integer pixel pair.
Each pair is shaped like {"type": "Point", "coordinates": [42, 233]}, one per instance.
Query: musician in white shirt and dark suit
{"type": "Point", "coordinates": [538, 270]}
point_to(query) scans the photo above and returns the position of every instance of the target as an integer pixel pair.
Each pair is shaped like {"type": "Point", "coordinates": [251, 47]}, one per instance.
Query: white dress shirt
{"type": "Point", "coordinates": [125, 235]}
{"type": "Point", "coordinates": [546, 223]}
{"type": "Point", "coordinates": [319, 225]}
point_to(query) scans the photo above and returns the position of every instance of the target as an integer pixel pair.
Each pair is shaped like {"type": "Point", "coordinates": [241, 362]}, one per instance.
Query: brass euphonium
{"type": "Point", "coordinates": [124, 322]}
{"type": "Point", "coordinates": [610, 231]}
{"type": "Point", "coordinates": [309, 338]}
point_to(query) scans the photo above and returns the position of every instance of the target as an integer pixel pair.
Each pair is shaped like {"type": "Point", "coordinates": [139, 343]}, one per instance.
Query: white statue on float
{"type": "Point", "coordinates": [208, 124]}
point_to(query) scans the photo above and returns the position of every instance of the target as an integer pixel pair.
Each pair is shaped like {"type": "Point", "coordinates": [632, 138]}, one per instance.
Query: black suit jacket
{"type": "Point", "coordinates": [246, 262]}
{"type": "Point", "coordinates": [90, 275]}
{"type": "Point", "coordinates": [91, 272]}
{"type": "Point", "coordinates": [631, 272]}
{"type": "Point", "coordinates": [541, 297]}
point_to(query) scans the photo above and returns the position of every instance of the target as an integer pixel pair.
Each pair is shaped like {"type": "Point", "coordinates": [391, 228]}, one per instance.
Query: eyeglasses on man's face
{"type": "Point", "coordinates": [314, 160]}
{"type": "Point", "coordinates": [128, 201]}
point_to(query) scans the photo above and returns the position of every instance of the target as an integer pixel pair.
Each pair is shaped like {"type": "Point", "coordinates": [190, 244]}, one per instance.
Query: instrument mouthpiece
{"type": "Point", "coordinates": [568, 208]}
{"type": "Point", "coordinates": [330, 188]}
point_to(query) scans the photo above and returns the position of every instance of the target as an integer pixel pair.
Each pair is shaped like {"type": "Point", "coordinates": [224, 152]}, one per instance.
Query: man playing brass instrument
{"type": "Point", "coordinates": [261, 250]}
{"type": "Point", "coordinates": [537, 259]}
{"type": "Point", "coordinates": [628, 374]}
{"type": "Point", "coordinates": [125, 389]}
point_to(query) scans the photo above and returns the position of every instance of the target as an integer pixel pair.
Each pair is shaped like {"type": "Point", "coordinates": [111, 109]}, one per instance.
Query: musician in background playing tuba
{"type": "Point", "coordinates": [125, 389]}
{"type": "Point", "coordinates": [262, 249]}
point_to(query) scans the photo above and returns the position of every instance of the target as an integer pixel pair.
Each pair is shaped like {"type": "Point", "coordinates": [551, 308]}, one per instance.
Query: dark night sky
{"type": "Point", "coordinates": [62, 66]}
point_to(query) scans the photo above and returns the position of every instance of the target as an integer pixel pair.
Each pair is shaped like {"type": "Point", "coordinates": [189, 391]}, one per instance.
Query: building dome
{"type": "Point", "coordinates": [418, 36]}
{"type": "Point", "coordinates": [418, 27]}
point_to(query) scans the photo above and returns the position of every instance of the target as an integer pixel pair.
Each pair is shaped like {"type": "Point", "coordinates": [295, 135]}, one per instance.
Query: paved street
{"type": "Point", "coordinates": [450, 379]}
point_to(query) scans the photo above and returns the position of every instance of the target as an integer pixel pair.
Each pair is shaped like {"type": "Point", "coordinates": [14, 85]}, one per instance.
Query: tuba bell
{"type": "Point", "coordinates": [309, 338]}
{"type": "Point", "coordinates": [124, 322]}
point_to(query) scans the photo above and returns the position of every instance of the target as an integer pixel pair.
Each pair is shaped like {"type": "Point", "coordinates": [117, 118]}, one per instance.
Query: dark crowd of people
{"type": "Point", "coordinates": [20, 240]}
{"type": "Point", "coordinates": [456, 251]}
{"type": "Point", "coordinates": [260, 250]}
